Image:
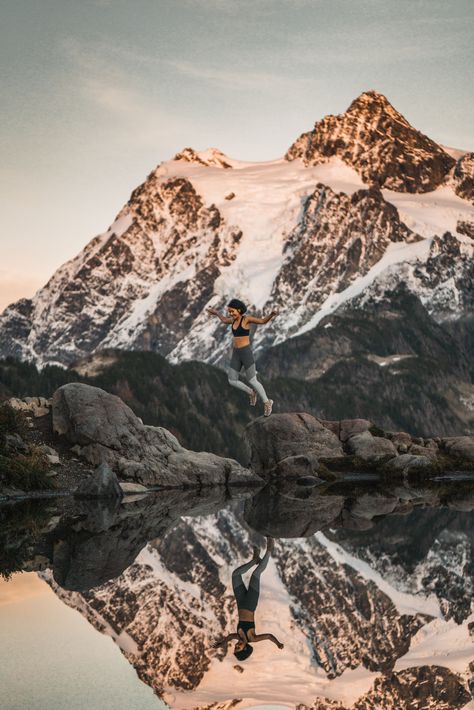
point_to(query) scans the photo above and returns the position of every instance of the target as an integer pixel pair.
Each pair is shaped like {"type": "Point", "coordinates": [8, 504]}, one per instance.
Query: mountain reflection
{"type": "Point", "coordinates": [370, 588]}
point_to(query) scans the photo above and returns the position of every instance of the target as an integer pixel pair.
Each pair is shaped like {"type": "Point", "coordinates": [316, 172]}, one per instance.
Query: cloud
{"type": "Point", "coordinates": [135, 114]}
{"type": "Point", "coordinates": [232, 78]}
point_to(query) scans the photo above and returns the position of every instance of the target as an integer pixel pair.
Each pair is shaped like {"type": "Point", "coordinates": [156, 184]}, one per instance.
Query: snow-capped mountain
{"type": "Point", "coordinates": [359, 628]}
{"type": "Point", "coordinates": [360, 202]}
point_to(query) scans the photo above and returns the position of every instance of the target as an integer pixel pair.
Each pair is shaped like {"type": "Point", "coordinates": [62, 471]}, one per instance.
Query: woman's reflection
{"type": "Point", "coordinates": [247, 600]}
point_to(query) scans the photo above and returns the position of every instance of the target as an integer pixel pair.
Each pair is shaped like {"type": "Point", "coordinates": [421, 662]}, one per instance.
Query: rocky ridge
{"type": "Point", "coordinates": [95, 428]}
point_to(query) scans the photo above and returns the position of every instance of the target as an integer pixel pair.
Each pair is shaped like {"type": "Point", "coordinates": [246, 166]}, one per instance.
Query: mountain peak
{"type": "Point", "coordinates": [379, 143]}
{"type": "Point", "coordinates": [210, 157]}
{"type": "Point", "coordinates": [371, 103]}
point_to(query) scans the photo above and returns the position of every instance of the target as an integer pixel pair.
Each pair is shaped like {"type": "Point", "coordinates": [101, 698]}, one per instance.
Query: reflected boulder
{"type": "Point", "coordinates": [282, 516]}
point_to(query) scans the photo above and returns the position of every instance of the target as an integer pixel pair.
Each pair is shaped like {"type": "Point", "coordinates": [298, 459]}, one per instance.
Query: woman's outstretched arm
{"type": "Point", "coordinates": [225, 640]}
{"type": "Point", "coordinates": [261, 321]}
{"type": "Point", "coordinates": [268, 637]}
{"type": "Point", "coordinates": [214, 312]}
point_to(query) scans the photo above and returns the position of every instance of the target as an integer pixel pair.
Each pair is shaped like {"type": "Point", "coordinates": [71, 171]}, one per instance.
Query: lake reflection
{"type": "Point", "coordinates": [368, 588]}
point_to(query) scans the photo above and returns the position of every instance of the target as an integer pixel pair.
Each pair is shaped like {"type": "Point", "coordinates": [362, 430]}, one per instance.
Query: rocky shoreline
{"type": "Point", "coordinates": [87, 442]}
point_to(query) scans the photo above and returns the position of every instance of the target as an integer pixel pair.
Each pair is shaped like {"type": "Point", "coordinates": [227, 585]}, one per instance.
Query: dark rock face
{"type": "Point", "coordinates": [361, 606]}
{"type": "Point", "coordinates": [466, 228]}
{"type": "Point", "coordinates": [383, 359]}
{"type": "Point", "coordinates": [102, 484]}
{"type": "Point", "coordinates": [105, 430]}
{"type": "Point", "coordinates": [378, 142]}
{"type": "Point", "coordinates": [464, 177]}
{"type": "Point", "coordinates": [418, 688]}
{"type": "Point", "coordinates": [340, 237]}
{"type": "Point", "coordinates": [155, 235]}
{"type": "Point", "coordinates": [279, 436]}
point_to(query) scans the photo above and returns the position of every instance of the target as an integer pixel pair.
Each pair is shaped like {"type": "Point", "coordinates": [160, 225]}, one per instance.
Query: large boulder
{"type": "Point", "coordinates": [370, 449]}
{"type": "Point", "coordinates": [102, 484]}
{"type": "Point", "coordinates": [103, 429]}
{"type": "Point", "coordinates": [459, 446]}
{"type": "Point", "coordinates": [272, 439]}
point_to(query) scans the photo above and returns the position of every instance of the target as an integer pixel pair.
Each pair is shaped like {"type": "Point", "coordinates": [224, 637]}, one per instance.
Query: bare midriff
{"type": "Point", "coordinates": [246, 615]}
{"type": "Point", "coordinates": [240, 341]}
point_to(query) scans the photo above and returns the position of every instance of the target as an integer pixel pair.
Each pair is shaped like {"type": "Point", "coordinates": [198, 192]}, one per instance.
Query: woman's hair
{"type": "Point", "coordinates": [244, 653]}
{"type": "Point", "coordinates": [238, 305]}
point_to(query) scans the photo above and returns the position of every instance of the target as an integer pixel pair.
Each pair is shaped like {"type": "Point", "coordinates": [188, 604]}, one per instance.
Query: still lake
{"type": "Point", "coordinates": [369, 588]}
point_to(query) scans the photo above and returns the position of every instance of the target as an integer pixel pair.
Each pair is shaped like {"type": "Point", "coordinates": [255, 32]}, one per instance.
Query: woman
{"type": "Point", "coordinates": [242, 354]}
{"type": "Point", "coordinates": [247, 600]}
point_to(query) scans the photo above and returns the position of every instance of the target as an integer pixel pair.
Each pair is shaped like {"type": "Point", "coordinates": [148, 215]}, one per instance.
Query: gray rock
{"type": "Point", "coordinates": [51, 454]}
{"type": "Point", "coordinates": [37, 406]}
{"type": "Point", "coordinates": [400, 437]}
{"type": "Point", "coordinates": [460, 446]}
{"type": "Point", "coordinates": [406, 463]}
{"type": "Point", "coordinates": [350, 427]}
{"type": "Point", "coordinates": [295, 467]}
{"type": "Point", "coordinates": [14, 442]}
{"type": "Point", "coordinates": [128, 488]}
{"type": "Point", "coordinates": [272, 439]}
{"type": "Point", "coordinates": [371, 449]}
{"type": "Point", "coordinates": [346, 428]}
{"type": "Point", "coordinates": [102, 484]}
{"type": "Point", "coordinates": [102, 428]}
{"type": "Point", "coordinates": [430, 453]}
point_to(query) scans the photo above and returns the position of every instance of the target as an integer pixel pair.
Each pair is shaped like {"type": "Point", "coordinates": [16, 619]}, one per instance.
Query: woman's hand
{"type": "Point", "coordinates": [212, 311]}
{"type": "Point", "coordinates": [274, 313]}
{"type": "Point", "coordinates": [280, 645]}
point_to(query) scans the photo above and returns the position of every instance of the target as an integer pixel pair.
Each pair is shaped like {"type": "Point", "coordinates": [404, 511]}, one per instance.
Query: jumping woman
{"type": "Point", "coordinates": [242, 354]}
{"type": "Point", "coordinates": [247, 600]}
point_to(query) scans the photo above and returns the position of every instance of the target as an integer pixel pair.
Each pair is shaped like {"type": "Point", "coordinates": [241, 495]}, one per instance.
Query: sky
{"type": "Point", "coordinates": [96, 93]}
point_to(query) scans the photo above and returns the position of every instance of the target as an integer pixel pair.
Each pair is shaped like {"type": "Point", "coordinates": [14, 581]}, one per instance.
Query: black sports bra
{"type": "Point", "coordinates": [240, 330]}
{"type": "Point", "coordinates": [245, 626]}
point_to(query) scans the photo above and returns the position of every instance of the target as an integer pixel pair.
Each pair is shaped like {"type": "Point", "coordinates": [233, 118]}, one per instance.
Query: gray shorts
{"type": "Point", "coordinates": [242, 357]}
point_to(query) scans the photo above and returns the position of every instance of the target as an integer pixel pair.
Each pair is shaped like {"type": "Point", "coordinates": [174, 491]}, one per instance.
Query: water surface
{"type": "Point", "coordinates": [369, 587]}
